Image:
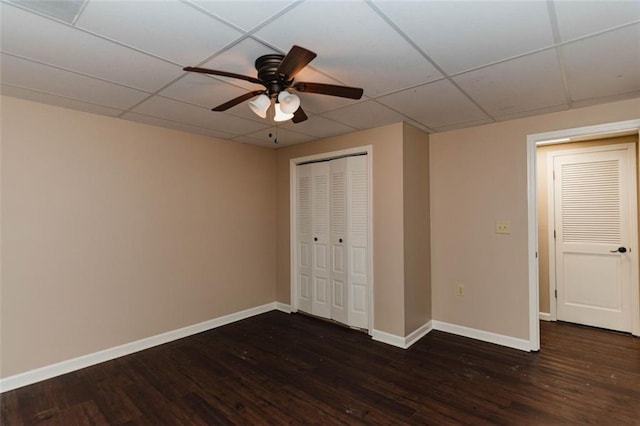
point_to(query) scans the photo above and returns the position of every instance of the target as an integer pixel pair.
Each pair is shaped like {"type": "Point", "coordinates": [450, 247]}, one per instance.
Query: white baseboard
{"type": "Point", "coordinates": [402, 342]}
{"type": "Point", "coordinates": [53, 370]}
{"type": "Point", "coordinates": [283, 307]}
{"type": "Point", "coordinates": [418, 334]}
{"type": "Point", "coordinates": [544, 316]}
{"type": "Point", "coordinates": [485, 336]}
{"type": "Point", "coordinates": [388, 338]}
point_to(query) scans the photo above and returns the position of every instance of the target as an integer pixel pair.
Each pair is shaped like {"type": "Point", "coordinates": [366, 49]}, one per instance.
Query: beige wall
{"type": "Point", "coordinates": [479, 175]}
{"type": "Point", "coordinates": [113, 231]}
{"type": "Point", "coordinates": [542, 167]}
{"type": "Point", "coordinates": [388, 242]}
{"type": "Point", "coordinates": [417, 255]}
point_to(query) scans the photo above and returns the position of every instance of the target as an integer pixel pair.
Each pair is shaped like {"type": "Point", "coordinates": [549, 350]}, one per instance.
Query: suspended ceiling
{"type": "Point", "coordinates": [437, 65]}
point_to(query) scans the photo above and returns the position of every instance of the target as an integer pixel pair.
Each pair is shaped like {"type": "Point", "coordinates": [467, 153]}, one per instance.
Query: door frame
{"type": "Point", "coordinates": [633, 223]}
{"type": "Point", "coordinates": [564, 135]}
{"type": "Point", "coordinates": [293, 214]}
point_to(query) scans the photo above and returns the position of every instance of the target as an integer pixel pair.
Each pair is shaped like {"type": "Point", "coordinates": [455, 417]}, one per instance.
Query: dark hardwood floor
{"type": "Point", "coordinates": [281, 369]}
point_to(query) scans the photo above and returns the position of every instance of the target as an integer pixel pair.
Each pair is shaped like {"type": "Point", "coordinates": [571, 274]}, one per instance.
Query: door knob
{"type": "Point", "coordinates": [620, 250]}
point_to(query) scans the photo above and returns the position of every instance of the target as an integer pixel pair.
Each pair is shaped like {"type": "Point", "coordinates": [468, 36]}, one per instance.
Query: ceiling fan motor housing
{"type": "Point", "coordinates": [266, 66]}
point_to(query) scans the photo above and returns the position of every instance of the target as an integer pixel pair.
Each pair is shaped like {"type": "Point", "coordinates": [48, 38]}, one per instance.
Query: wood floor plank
{"type": "Point", "coordinates": [293, 369]}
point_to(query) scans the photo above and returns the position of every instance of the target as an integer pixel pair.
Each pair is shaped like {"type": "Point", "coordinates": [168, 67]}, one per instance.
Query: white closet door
{"type": "Point", "coordinates": [304, 237]}
{"type": "Point", "coordinates": [338, 240]}
{"type": "Point", "coordinates": [358, 246]}
{"type": "Point", "coordinates": [320, 272]}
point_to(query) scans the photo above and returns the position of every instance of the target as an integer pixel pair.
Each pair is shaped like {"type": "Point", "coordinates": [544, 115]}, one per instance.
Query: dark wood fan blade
{"type": "Point", "coordinates": [223, 74]}
{"type": "Point", "coordinates": [329, 89]}
{"type": "Point", "coordinates": [299, 116]}
{"type": "Point", "coordinates": [297, 58]}
{"type": "Point", "coordinates": [233, 102]}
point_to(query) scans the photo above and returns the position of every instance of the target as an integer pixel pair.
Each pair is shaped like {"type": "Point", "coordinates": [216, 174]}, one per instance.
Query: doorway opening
{"type": "Point", "coordinates": [566, 139]}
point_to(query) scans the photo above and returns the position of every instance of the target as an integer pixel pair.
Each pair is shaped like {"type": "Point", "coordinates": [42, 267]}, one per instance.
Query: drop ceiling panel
{"type": "Point", "coordinates": [169, 29]}
{"type": "Point", "coordinates": [319, 127]}
{"type": "Point", "coordinates": [580, 18]}
{"type": "Point", "coordinates": [354, 46]}
{"type": "Point", "coordinates": [604, 65]}
{"type": "Point", "coordinates": [462, 125]}
{"type": "Point", "coordinates": [545, 110]}
{"type": "Point", "coordinates": [284, 136]}
{"type": "Point", "coordinates": [434, 104]}
{"type": "Point", "coordinates": [611, 98]}
{"type": "Point", "coordinates": [518, 85]}
{"type": "Point", "coordinates": [153, 121]}
{"type": "Point", "coordinates": [65, 10]}
{"type": "Point", "coordinates": [181, 112]}
{"type": "Point", "coordinates": [43, 78]}
{"type": "Point", "coordinates": [317, 104]}
{"type": "Point", "coordinates": [463, 35]}
{"type": "Point", "coordinates": [202, 90]}
{"type": "Point", "coordinates": [45, 98]}
{"type": "Point", "coordinates": [90, 54]}
{"type": "Point", "coordinates": [365, 115]}
{"type": "Point", "coordinates": [245, 14]}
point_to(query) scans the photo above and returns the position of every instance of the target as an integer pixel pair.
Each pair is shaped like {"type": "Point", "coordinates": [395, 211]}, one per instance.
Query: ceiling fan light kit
{"type": "Point", "coordinates": [260, 105]}
{"type": "Point", "coordinates": [276, 73]}
{"type": "Point", "coordinates": [289, 103]}
{"type": "Point", "coordinates": [280, 114]}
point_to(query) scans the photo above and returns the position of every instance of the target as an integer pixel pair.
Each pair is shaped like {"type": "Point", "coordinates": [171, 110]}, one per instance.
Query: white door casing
{"type": "Point", "coordinates": [595, 215]}
{"type": "Point", "coordinates": [533, 140]}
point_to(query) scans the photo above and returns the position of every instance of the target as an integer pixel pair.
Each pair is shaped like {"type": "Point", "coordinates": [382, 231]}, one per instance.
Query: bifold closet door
{"type": "Point", "coordinates": [314, 292]}
{"type": "Point", "coordinates": [357, 238]}
{"type": "Point", "coordinates": [303, 195]}
{"type": "Point", "coordinates": [332, 227]}
{"type": "Point", "coordinates": [338, 241]}
{"type": "Point", "coordinates": [320, 216]}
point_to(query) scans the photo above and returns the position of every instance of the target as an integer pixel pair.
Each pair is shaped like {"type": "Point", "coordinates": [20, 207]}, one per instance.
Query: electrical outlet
{"type": "Point", "coordinates": [503, 227]}
{"type": "Point", "coordinates": [460, 290]}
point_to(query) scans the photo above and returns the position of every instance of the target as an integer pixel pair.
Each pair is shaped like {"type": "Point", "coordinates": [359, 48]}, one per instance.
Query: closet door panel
{"type": "Point", "coordinates": [320, 270]}
{"type": "Point", "coordinates": [358, 231]}
{"type": "Point", "coordinates": [304, 282]}
{"type": "Point", "coordinates": [339, 301]}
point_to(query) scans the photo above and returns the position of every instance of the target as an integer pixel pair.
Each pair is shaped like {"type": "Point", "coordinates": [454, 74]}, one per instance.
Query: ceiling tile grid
{"type": "Point", "coordinates": [522, 84]}
{"type": "Point", "coordinates": [439, 65]}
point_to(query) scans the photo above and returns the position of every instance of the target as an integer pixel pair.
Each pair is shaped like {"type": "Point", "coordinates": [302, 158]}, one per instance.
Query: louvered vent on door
{"type": "Point", "coordinates": [591, 202]}
{"type": "Point", "coordinates": [321, 204]}
{"type": "Point", "coordinates": [359, 203]}
{"type": "Point", "coordinates": [304, 206]}
{"type": "Point", "coordinates": [337, 204]}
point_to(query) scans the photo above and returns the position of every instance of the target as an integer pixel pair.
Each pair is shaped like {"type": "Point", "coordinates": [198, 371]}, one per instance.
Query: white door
{"type": "Point", "coordinates": [357, 237]}
{"type": "Point", "coordinates": [332, 227]}
{"type": "Point", "coordinates": [304, 237]}
{"type": "Point", "coordinates": [596, 237]}
{"type": "Point", "coordinates": [338, 240]}
{"type": "Point", "coordinates": [320, 217]}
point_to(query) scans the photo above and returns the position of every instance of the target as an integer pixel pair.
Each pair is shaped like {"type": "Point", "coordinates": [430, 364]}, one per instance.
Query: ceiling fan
{"type": "Point", "coordinates": [276, 73]}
